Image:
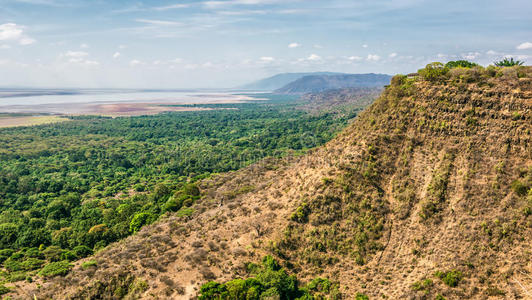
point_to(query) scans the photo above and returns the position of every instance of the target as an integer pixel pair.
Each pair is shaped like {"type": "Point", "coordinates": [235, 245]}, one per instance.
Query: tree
{"type": "Point", "coordinates": [460, 64]}
{"type": "Point", "coordinates": [508, 62]}
{"type": "Point", "coordinates": [138, 221]}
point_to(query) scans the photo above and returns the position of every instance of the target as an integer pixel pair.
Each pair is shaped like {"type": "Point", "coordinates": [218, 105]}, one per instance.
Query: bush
{"type": "Point", "coordinates": [138, 221]}
{"type": "Point", "coordinates": [82, 251]}
{"type": "Point", "coordinates": [270, 281]}
{"type": "Point", "coordinates": [360, 296]}
{"type": "Point", "coordinates": [519, 188]}
{"type": "Point", "coordinates": [301, 214]}
{"type": "Point", "coordinates": [450, 278]}
{"type": "Point", "coordinates": [433, 71]}
{"type": "Point", "coordinates": [4, 289]}
{"type": "Point", "coordinates": [460, 64]}
{"type": "Point", "coordinates": [508, 62]}
{"type": "Point", "coordinates": [89, 264]}
{"type": "Point", "coordinates": [56, 268]}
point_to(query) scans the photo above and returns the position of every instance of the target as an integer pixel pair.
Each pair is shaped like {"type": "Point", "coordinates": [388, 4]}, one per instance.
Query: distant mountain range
{"type": "Point", "coordinates": [319, 83]}
{"type": "Point", "coordinates": [299, 83]}
{"type": "Point", "coordinates": [280, 80]}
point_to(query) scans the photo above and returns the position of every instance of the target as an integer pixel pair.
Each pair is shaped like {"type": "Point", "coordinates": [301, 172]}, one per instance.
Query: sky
{"type": "Point", "coordinates": [227, 43]}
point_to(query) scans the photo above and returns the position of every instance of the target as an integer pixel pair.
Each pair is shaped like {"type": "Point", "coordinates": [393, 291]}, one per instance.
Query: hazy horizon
{"type": "Point", "coordinates": [225, 44]}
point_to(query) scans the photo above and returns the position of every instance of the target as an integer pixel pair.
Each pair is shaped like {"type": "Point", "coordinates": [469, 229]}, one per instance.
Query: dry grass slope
{"type": "Point", "coordinates": [427, 193]}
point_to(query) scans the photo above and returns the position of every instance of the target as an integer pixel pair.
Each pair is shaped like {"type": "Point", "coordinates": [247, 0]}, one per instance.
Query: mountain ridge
{"type": "Point", "coordinates": [320, 83]}
{"type": "Point", "coordinates": [279, 80]}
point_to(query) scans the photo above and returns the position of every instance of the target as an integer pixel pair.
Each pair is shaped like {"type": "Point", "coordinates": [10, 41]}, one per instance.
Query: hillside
{"type": "Point", "coordinates": [426, 195]}
{"type": "Point", "coordinates": [318, 83]}
{"type": "Point", "coordinates": [279, 80]}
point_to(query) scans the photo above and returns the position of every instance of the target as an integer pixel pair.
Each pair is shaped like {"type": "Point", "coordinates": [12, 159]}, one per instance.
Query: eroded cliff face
{"type": "Point", "coordinates": [427, 193]}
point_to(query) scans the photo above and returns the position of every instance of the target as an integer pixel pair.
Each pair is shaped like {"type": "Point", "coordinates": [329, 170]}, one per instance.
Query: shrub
{"type": "Point", "coordinates": [508, 62]}
{"type": "Point", "coordinates": [82, 251]}
{"type": "Point", "coordinates": [519, 188]}
{"type": "Point", "coordinates": [422, 285]}
{"type": "Point", "coordinates": [433, 71]}
{"type": "Point", "coordinates": [138, 221]}
{"type": "Point", "coordinates": [450, 278]}
{"type": "Point", "coordinates": [270, 282]}
{"type": "Point", "coordinates": [191, 189]}
{"type": "Point", "coordinates": [89, 264]}
{"type": "Point", "coordinates": [56, 268]}
{"type": "Point", "coordinates": [4, 289]}
{"type": "Point", "coordinates": [360, 296]}
{"type": "Point", "coordinates": [460, 64]}
{"type": "Point", "coordinates": [301, 213]}
{"type": "Point", "coordinates": [32, 264]}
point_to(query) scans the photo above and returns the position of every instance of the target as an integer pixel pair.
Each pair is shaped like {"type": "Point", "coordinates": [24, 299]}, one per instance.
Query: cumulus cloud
{"type": "Point", "coordinates": [314, 57]}
{"type": "Point", "coordinates": [79, 58]}
{"type": "Point", "coordinates": [471, 55]}
{"type": "Point", "coordinates": [364, 46]}
{"type": "Point", "coordinates": [491, 52]}
{"type": "Point", "coordinates": [11, 32]}
{"type": "Point", "coordinates": [354, 58]}
{"type": "Point", "coordinates": [116, 55]}
{"type": "Point", "coordinates": [135, 62]}
{"type": "Point", "coordinates": [267, 59]}
{"type": "Point", "coordinates": [76, 54]}
{"type": "Point", "coordinates": [392, 55]}
{"type": "Point", "coordinates": [294, 45]}
{"type": "Point", "coordinates": [524, 46]}
{"type": "Point", "coordinates": [373, 57]}
{"type": "Point", "coordinates": [84, 46]}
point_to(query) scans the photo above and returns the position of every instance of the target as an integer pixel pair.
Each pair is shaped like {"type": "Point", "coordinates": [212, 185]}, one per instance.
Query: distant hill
{"type": "Point", "coordinates": [318, 83]}
{"type": "Point", "coordinates": [280, 80]}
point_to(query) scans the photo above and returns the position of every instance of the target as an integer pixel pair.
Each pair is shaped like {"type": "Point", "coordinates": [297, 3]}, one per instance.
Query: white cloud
{"type": "Point", "coordinates": [173, 6]}
{"type": "Point", "coordinates": [76, 54]}
{"type": "Point", "coordinates": [219, 4]}
{"type": "Point", "coordinates": [267, 59]}
{"type": "Point", "coordinates": [354, 58]}
{"type": "Point", "coordinates": [524, 46]}
{"type": "Point", "coordinates": [392, 55]}
{"type": "Point", "coordinates": [135, 62]}
{"type": "Point", "coordinates": [314, 57]}
{"type": "Point", "coordinates": [26, 41]}
{"type": "Point", "coordinates": [116, 55]}
{"type": "Point", "coordinates": [158, 22]}
{"type": "Point", "coordinates": [122, 47]}
{"type": "Point", "coordinates": [364, 46]}
{"type": "Point", "coordinates": [15, 33]}
{"type": "Point", "coordinates": [294, 45]}
{"type": "Point", "coordinates": [84, 46]}
{"type": "Point", "coordinates": [471, 55]}
{"type": "Point", "coordinates": [318, 46]}
{"type": "Point", "coordinates": [491, 52]}
{"type": "Point", "coordinates": [373, 57]}
{"type": "Point", "coordinates": [176, 60]}
{"type": "Point", "coordinates": [5, 47]}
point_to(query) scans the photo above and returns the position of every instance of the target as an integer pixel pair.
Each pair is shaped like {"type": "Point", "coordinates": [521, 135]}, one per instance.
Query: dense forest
{"type": "Point", "coordinates": [69, 189]}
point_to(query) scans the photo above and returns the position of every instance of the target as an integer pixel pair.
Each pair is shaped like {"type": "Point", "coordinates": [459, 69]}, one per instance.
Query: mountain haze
{"type": "Point", "coordinates": [427, 194]}
{"type": "Point", "coordinates": [279, 80]}
{"type": "Point", "coordinates": [318, 83]}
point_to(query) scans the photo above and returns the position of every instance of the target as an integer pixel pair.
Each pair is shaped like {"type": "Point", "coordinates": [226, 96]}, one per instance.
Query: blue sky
{"type": "Point", "coordinates": [189, 44]}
